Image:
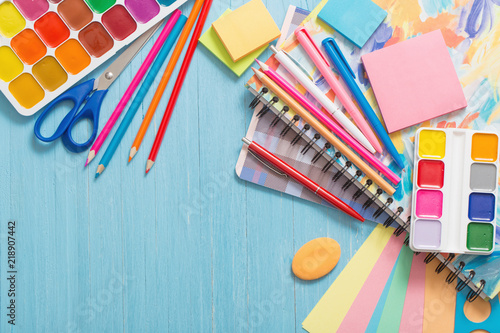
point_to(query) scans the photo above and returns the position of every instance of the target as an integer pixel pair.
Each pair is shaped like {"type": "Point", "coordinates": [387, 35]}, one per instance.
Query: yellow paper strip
{"type": "Point", "coordinates": [314, 14]}
{"type": "Point", "coordinates": [331, 309]}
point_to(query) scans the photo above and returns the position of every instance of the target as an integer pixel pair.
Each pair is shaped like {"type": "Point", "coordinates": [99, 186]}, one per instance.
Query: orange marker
{"type": "Point", "coordinates": [165, 78]}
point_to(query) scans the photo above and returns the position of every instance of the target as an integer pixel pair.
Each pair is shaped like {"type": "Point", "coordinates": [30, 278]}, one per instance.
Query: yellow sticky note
{"type": "Point", "coordinates": [212, 42]}
{"type": "Point", "coordinates": [246, 29]}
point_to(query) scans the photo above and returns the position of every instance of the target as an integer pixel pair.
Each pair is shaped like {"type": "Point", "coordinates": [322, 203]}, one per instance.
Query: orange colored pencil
{"type": "Point", "coordinates": [165, 78]}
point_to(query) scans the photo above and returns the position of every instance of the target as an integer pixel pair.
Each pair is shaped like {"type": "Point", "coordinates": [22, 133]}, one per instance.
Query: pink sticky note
{"type": "Point", "coordinates": [414, 81]}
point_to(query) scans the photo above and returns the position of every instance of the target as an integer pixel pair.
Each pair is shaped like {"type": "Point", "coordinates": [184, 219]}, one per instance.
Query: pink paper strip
{"type": "Point", "coordinates": [367, 299]}
{"type": "Point", "coordinates": [412, 320]}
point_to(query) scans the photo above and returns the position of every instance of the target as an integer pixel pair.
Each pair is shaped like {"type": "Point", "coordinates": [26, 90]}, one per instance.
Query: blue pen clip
{"type": "Point", "coordinates": [341, 55]}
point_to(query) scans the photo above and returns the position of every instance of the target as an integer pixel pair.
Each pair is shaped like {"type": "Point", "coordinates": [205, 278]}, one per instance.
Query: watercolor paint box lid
{"type": "Point", "coordinates": [46, 46]}
{"type": "Point", "coordinates": [455, 185]}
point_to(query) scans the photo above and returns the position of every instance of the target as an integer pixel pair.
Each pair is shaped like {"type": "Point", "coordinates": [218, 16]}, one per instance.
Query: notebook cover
{"type": "Point", "coordinates": [414, 81]}
{"type": "Point", "coordinates": [485, 267]}
{"type": "Point", "coordinates": [293, 19]}
{"type": "Point", "coordinates": [246, 29]}
{"type": "Point", "coordinates": [356, 20]}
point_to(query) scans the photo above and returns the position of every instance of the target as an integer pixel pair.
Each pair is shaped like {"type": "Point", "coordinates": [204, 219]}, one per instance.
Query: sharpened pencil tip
{"type": "Point", "coordinates": [262, 64]}
{"type": "Point", "coordinates": [90, 157]}
{"type": "Point", "coordinates": [132, 153]}
{"type": "Point", "coordinates": [100, 169]}
{"type": "Point", "coordinates": [149, 165]}
{"type": "Point", "coordinates": [258, 73]}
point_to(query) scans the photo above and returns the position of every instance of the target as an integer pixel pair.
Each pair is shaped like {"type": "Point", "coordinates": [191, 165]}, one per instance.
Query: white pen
{"type": "Point", "coordinates": [309, 85]}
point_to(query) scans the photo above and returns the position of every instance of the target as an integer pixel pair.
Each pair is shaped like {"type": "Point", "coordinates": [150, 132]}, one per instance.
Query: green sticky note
{"type": "Point", "coordinates": [212, 42]}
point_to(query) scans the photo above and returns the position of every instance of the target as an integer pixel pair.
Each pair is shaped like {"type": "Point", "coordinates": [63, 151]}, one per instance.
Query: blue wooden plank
{"type": "Point", "coordinates": [7, 115]}
{"type": "Point", "coordinates": [34, 229]}
{"type": "Point", "coordinates": [139, 229]}
{"type": "Point", "coordinates": [222, 204]}
{"type": "Point", "coordinates": [104, 308]}
{"type": "Point", "coordinates": [184, 240]}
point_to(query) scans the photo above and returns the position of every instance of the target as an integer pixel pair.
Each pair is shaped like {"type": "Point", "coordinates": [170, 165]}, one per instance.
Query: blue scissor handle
{"type": "Point", "coordinates": [89, 111]}
{"type": "Point", "coordinates": [77, 95]}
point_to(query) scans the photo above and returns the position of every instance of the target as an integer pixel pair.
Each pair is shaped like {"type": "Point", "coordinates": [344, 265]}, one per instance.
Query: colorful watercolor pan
{"type": "Point", "coordinates": [46, 46]}
{"type": "Point", "coordinates": [455, 188]}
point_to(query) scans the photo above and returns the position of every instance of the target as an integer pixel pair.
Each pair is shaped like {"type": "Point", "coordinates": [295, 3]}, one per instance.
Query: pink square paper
{"type": "Point", "coordinates": [414, 81]}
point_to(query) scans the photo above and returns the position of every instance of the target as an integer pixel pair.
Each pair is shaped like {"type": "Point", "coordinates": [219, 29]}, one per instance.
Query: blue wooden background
{"type": "Point", "coordinates": [188, 248]}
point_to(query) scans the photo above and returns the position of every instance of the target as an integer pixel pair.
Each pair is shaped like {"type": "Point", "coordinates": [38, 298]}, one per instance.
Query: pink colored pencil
{"type": "Point", "coordinates": [334, 127]}
{"type": "Point", "coordinates": [133, 85]}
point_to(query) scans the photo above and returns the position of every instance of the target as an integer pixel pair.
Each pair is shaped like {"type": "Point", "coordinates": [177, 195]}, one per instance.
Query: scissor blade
{"type": "Point", "coordinates": [113, 71]}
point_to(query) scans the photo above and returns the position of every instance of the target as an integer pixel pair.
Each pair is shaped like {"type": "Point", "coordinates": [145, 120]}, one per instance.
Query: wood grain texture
{"type": "Point", "coordinates": [188, 248]}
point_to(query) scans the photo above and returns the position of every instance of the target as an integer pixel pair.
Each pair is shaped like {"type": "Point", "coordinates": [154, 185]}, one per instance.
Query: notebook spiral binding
{"type": "Point", "coordinates": [453, 274]}
{"type": "Point", "coordinates": [363, 190]}
{"type": "Point", "coordinates": [442, 265]}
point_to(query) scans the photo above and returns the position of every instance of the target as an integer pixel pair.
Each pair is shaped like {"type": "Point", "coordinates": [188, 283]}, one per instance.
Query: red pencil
{"type": "Point", "coordinates": [178, 84]}
{"type": "Point", "coordinates": [301, 179]}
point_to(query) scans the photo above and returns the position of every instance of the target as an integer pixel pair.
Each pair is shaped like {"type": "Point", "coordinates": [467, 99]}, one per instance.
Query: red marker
{"type": "Point", "coordinates": [300, 178]}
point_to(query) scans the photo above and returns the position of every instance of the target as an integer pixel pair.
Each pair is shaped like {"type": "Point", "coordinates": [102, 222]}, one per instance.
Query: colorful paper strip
{"type": "Point", "coordinates": [328, 314]}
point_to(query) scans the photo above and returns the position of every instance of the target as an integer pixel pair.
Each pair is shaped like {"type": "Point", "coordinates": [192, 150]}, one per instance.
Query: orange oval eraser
{"type": "Point", "coordinates": [316, 258]}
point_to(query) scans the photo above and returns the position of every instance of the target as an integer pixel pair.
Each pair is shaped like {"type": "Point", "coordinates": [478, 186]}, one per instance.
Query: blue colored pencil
{"type": "Point", "coordinates": [347, 74]}
{"type": "Point", "coordinates": [136, 103]}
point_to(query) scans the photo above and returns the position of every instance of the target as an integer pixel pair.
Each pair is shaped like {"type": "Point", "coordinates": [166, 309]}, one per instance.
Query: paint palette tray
{"type": "Point", "coordinates": [46, 46]}
{"type": "Point", "coordinates": [455, 183]}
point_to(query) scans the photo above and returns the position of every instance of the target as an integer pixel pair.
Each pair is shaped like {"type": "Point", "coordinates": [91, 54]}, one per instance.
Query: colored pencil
{"type": "Point", "coordinates": [165, 78]}
{"type": "Point", "coordinates": [178, 84]}
{"type": "Point", "coordinates": [322, 130]}
{"type": "Point", "coordinates": [133, 85]}
{"type": "Point", "coordinates": [329, 123]}
{"type": "Point", "coordinates": [136, 103]}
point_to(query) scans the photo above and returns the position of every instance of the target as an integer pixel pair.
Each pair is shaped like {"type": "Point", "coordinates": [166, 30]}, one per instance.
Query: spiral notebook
{"type": "Point", "coordinates": [277, 132]}
{"type": "Point", "coordinates": [343, 179]}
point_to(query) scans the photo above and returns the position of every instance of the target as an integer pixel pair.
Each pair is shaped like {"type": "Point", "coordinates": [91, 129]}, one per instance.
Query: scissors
{"type": "Point", "coordinates": [90, 95]}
